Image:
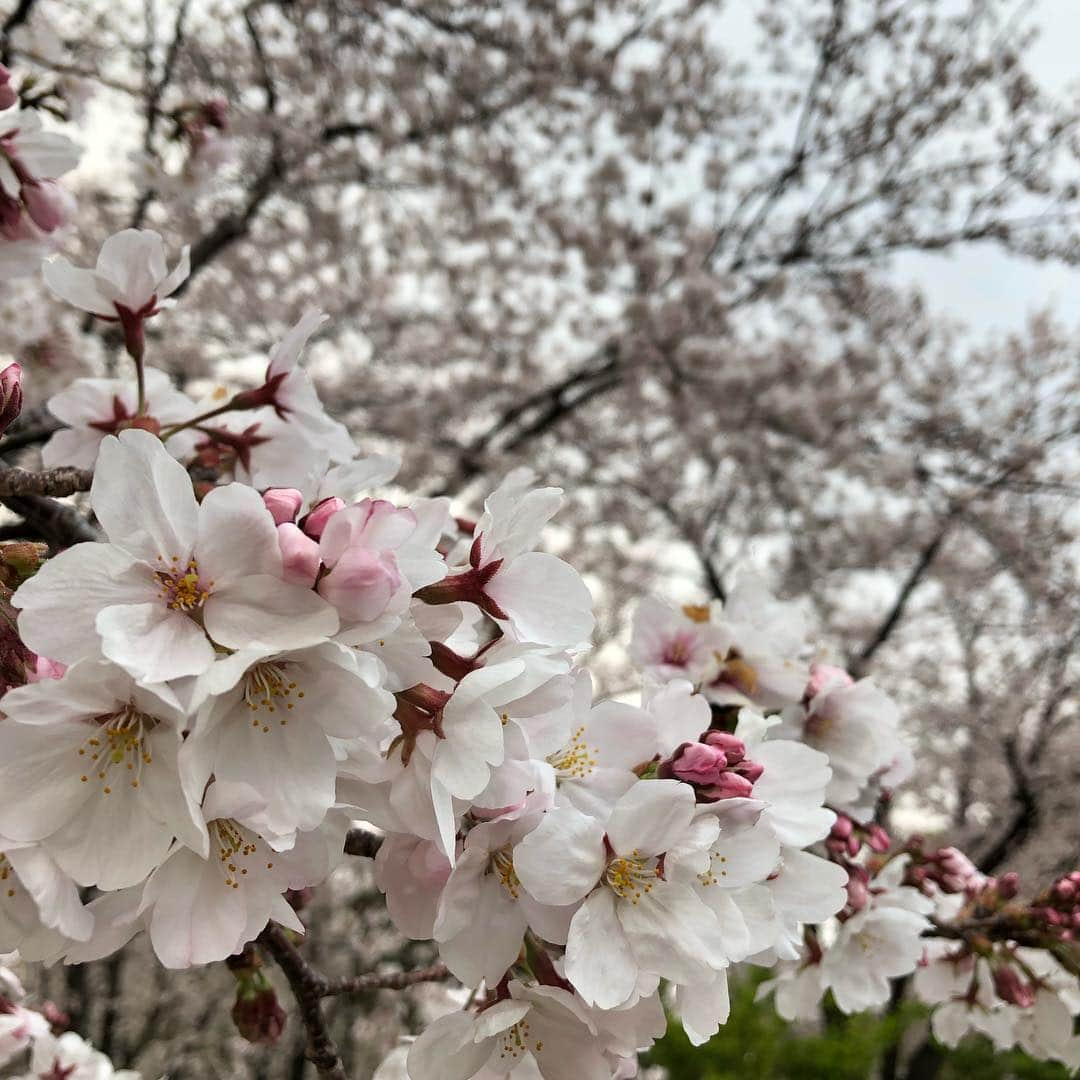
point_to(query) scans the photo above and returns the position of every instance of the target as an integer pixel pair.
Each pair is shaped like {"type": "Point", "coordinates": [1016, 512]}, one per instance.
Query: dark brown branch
{"type": "Point", "coordinates": [926, 558]}
{"type": "Point", "coordinates": [61, 481]}
{"type": "Point", "coordinates": [1024, 819]}
{"type": "Point", "coordinates": [59, 524]}
{"type": "Point", "coordinates": [393, 980]}
{"type": "Point", "coordinates": [308, 987]}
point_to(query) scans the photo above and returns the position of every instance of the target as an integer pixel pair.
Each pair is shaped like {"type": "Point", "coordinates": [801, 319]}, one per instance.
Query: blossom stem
{"type": "Point", "coordinates": [195, 421]}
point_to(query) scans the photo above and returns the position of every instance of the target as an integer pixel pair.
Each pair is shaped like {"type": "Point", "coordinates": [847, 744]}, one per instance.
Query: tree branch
{"type": "Point", "coordinates": [308, 987]}
{"type": "Point", "coordinates": [393, 980]}
{"type": "Point", "coordinates": [61, 481]}
{"type": "Point", "coordinates": [362, 843]}
{"type": "Point", "coordinates": [926, 557]}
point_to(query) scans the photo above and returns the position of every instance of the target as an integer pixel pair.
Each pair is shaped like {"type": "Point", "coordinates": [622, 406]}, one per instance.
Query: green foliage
{"type": "Point", "coordinates": [756, 1044]}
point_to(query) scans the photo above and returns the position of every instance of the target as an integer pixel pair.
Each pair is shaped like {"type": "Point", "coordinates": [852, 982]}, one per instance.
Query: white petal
{"type": "Point", "coordinates": [265, 610]}
{"type": "Point", "coordinates": [562, 858]}
{"type": "Point", "coordinates": [545, 600]}
{"type": "Point", "coordinates": [153, 642]}
{"type": "Point", "coordinates": [76, 286]}
{"type": "Point", "coordinates": [144, 500]}
{"type": "Point", "coordinates": [598, 958]}
{"type": "Point", "coordinates": [237, 537]}
{"type": "Point", "coordinates": [651, 817]}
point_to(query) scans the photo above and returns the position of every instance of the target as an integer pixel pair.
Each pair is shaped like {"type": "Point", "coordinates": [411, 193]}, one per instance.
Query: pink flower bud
{"type": "Point", "coordinates": [1011, 988]}
{"type": "Point", "coordinates": [1064, 889]}
{"type": "Point", "coordinates": [1008, 885]}
{"type": "Point", "coordinates": [8, 94]}
{"type": "Point", "coordinates": [878, 839]}
{"type": "Point", "coordinates": [10, 395]}
{"type": "Point", "coordinates": [734, 749]}
{"type": "Point", "coordinates": [314, 523]}
{"type": "Point", "coordinates": [842, 827]}
{"type": "Point", "coordinates": [729, 786]}
{"type": "Point", "coordinates": [12, 226]}
{"type": "Point", "coordinates": [698, 764]}
{"type": "Point", "coordinates": [361, 583]}
{"type": "Point", "coordinates": [299, 556]}
{"type": "Point", "coordinates": [45, 205]}
{"type": "Point", "coordinates": [751, 770]}
{"type": "Point", "coordinates": [823, 676]}
{"type": "Point", "coordinates": [283, 503]}
{"type": "Point", "coordinates": [858, 893]}
{"type": "Point", "coordinates": [256, 1013]}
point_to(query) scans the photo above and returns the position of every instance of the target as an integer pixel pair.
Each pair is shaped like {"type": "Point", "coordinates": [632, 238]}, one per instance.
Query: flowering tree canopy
{"type": "Point", "coordinates": [263, 653]}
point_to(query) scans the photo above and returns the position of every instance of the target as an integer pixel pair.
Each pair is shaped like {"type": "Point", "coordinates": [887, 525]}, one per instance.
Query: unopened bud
{"type": "Point", "coordinates": [1012, 989]}
{"type": "Point", "coordinates": [314, 523]}
{"type": "Point", "coordinates": [825, 676]}
{"type": "Point", "coordinates": [256, 1012]}
{"type": "Point", "coordinates": [878, 839]}
{"type": "Point", "coordinates": [361, 583]}
{"type": "Point", "coordinates": [1064, 889]}
{"type": "Point", "coordinates": [300, 560]}
{"type": "Point", "coordinates": [751, 770]}
{"type": "Point", "coordinates": [857, 891]}
{"type": "Point", "coordinates": [283, 503]}
{"type": "Point", "coordinates": [697, 763]}
{"type": "Point", "coordinates": [734, 749]}
{"type": "Point", "coordinates": [1008, 885]}
{"type": "Point", "coordinates": [842, 827]}
{"type": "Point", "coordinates": [45, 205]}
{"type": "Point", "coordinates": [729, 786]}
{"type": "Point", "coordinates": [9, 96]}
{"type": "Point", "coordinates": [10, 395]}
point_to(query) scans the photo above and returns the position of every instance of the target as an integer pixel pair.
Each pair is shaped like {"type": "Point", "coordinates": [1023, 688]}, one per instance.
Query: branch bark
{"type": "Point", "coordinates": [61, 481]}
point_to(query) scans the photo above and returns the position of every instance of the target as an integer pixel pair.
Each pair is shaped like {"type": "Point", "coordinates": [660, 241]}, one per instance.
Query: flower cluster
{"type": "Point", "coordinates": [53, 1052]}
{"type": "Point", "coordinates": [264, 648]}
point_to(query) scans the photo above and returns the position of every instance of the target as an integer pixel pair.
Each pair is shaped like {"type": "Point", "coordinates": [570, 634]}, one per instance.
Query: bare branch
{"type": "Point", "coordinates": [61, 481]}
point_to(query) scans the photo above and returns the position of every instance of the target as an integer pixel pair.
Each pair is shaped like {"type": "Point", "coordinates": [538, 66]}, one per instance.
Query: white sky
{"type": "Point", "coordinates": [985, 288]}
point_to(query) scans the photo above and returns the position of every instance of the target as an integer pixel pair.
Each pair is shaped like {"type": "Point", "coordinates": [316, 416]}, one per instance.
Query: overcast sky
{"type": "Point", "coordinates": [985, 288]}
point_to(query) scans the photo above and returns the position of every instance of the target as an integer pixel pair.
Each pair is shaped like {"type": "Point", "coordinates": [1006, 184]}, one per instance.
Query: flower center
{"type": "Point", "coordinates": [576, 760]}
{"type": "Point", "coordinates": [736, 672]}
{"type": "Point", "coordinates": [515, 1041]}
{"type": "Point", "coordinates": [267, 686]}
{"type": "Point", "coordinates": [713, 875]}
{"type": "Point", "coordinates": [678, 650]}
{"type": "Point", "coordinates": [181, 587]}
{"type": "Point", "coordinates": [118, 749]}
{"type": "Point", "coordinates": [237, 850]}
{"type": "Point", "coordinates": [502, 862]}
{"type": "Point", "coordinates": [631, 877]}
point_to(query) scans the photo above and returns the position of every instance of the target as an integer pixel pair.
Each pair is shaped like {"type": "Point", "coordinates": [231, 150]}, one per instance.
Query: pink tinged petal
{"type": "Point", "coordinates": [361, 583]}
{"type": "Point", "coordinates": [54, 893]}
{"type": "Point", "coordinates": [490, 942]}
{"type": "Point", "coordinates": [447, 1050]}
{"type": "Point", "coordinates": [598, 958]}
{"type": "Point", "coordinates": [132, 261]}
{"type": "Point", "coordinates": [114, 842]}
{"type": "Point", "coordinates": [236, 536]}
{"type": "Point", "coordinates": [77, 447]}
{"type": "Point", "coordinates": [61, 601]}
{"type": "Point", "coordinates": [153, 642]}
{"type": "Point", "coordinates": [562, 858]}
{"type": "Point", "coordinates": [287, 352]}
{"type": "Point", "coordinates": [40, 772]}
{"type": "Point", "coordinates": [293, 765]}
{"type": "Point", "coordinates": [143, 498]}
{"type": "Point", "coordinates": [651, 817]}
{"type": "Point", "coordinates": [195, 917]}
{"type": "Point", "coordinates": [268, 611]}
{"type": "Point", "coordinates": [704, 1008]}
{"type": "Point", "coordinates": [673, 933]}
{"type": "Point", "coordinates": [624, 735]}
{"type": "Point", "coordinates": [808, 887]}
{"type": "Point", "coordinates": [176, 277]}
{"type": "Point", "coordinates": [76, 286]}
{"type": "Point", "coordinates": [742, 857]}
{"type": "Point", "coordinates": [411, 873]}
{"type": "Point", "coordinates": [544, 599]}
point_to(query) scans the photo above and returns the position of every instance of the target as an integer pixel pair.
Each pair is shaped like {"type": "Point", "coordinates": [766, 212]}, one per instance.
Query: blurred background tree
{"type": "Point", "coordinates": [654, 250]}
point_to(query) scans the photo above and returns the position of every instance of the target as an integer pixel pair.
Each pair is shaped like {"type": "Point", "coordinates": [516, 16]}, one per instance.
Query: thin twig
{"type": "Point", "coordinates": [393, 980]}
